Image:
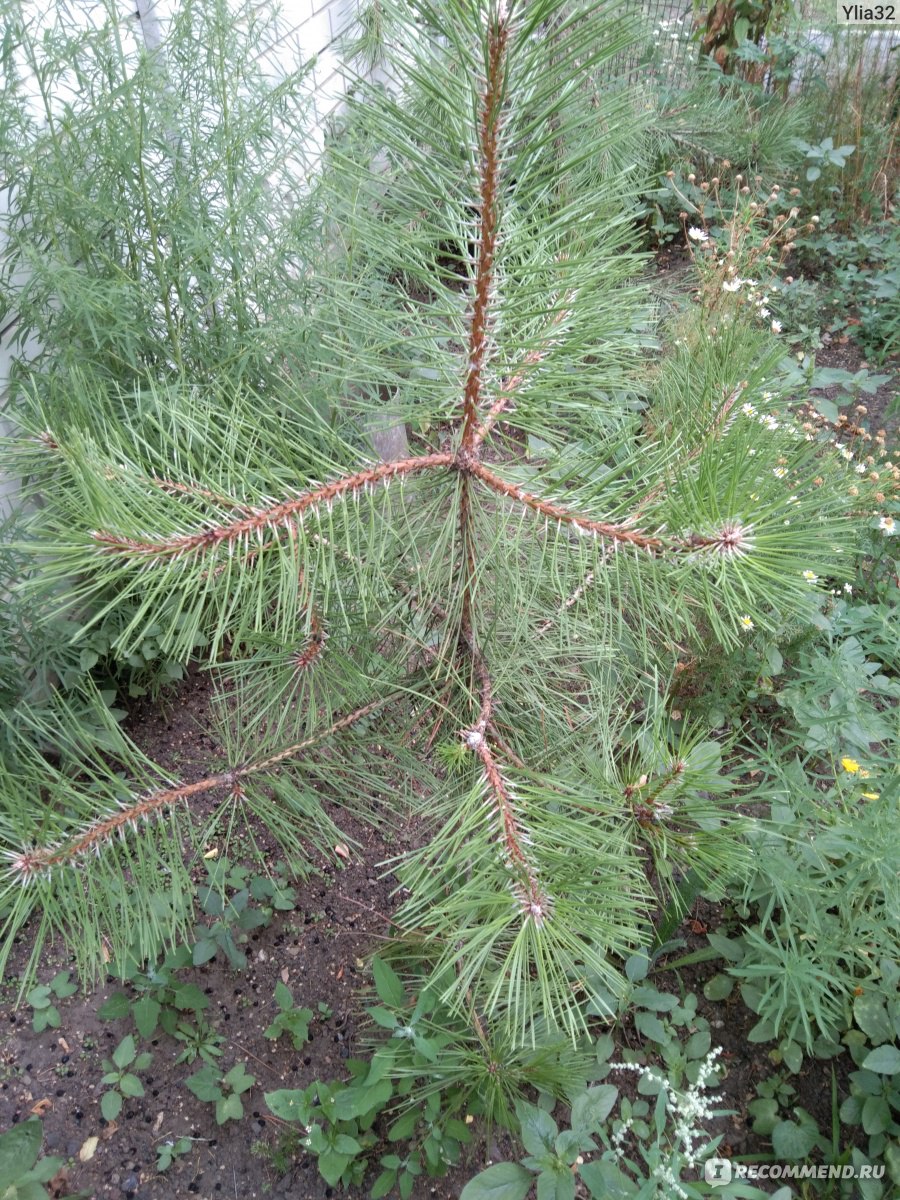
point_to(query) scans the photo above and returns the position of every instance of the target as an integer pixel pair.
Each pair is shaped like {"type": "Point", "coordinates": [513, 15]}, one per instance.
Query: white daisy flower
{"type": "Point", "coordinates": [776, 327]}
{"type": "Point", "coordinates": [746, 622]}
{"type": "Point", "coordinates": [748, 410]}
{"type": "Point", "coordinates": [698, 235]}
{"type": "Point", "coordinates": [810, 577]}
{"type": "Point", "coordinates": [779, 472]}
{"type": "Point", "coordinates": [731, 285]}
{"type": "Point", "coordinates": [887, 525]}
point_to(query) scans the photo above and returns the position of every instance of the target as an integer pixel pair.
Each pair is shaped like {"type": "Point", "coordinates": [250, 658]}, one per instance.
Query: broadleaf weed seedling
{"type": "Point", "coordinates": [222, 1088]}
{"type": "Point", "coordinates": [168, 1151]}
{"type": "Point", "coordinates": [41, 998]}
{"type": "Point", "coordinates": [290, 1020]}
{"type": "Point", "coordinates": [121, 1078]}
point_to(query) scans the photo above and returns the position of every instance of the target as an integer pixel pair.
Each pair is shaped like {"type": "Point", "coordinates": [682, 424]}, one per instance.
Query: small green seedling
{"type": "Point", "coordinates": [294, 1021]}
{"type": "Point", "coordinates": [200, 1041]}
{"type": "Point", "coordinates": [273, 893]}
{"type": "Point", "coordinates": [121, 1080]}
{"type": "Point", "coordinates": [46, 1014]}
{"type": "Point", "coordinates": [224, 1091]}
{"type": "Point", "coordinates": [161, 997]}
{"type": "Point", "coordinates": [234, 917]}
{"type": "Point", "coordinates": [169, 1151]}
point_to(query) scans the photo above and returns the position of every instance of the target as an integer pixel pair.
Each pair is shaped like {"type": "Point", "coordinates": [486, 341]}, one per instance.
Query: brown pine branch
{"type": "Point", "coordinates": [285, 514]}
{"type": "Point", "coordinates": [565, 516]}
{"type": "Point", "coordinates": [648, 807]}
{"type": "Point", "coordinates": [504, 747]}
{"type": "Point", "coordinates": [191, 489]}
{"type": "Point", "coordinates": [266, 764]}
{"type": "Point", "coordinates": [500, 405]}
{"type": "Point", "coordinates": [303, 659]}
{"type": "Point", "coordinates": [487, 245]}
{"type": "Point", "coordinates": [483, 287]}
{"type": "Point", "coordinates": [30, 864]}
{"type": "Point", "coordinates": [572, 599]}
{"type": "Point", "coordinates": [506, 395]}
{"type": "Point", "coordinates": [527, 888]}
{"type": "Point", "coordinates": [535, 901]}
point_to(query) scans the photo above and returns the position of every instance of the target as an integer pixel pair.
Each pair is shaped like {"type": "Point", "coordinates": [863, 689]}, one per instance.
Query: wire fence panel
{"type": "Point", "coordinates": [669, 51]}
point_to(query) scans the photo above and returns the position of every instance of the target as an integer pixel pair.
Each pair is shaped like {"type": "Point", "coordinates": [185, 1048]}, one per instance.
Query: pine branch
{"type": "Point", "coordinates": [535, 901]}
{"type": "Point", "coordinates": [191, 489]}
{"type": "Point", "coordinates": [30, 864]}
{"type": "Point", "coordinates": [305, 658]}
{"type": "Point", "coordinates": [515, 382]}
{"type": "Point", "coordinates": [285, 515]}
{"type": "Point", "coordinates": [489, 168]}
{"type": "Point", "coordinates": [713, 430]}
{"type": "Point", "coordinates": [571, 600]}
{"type": "Point", "coordinates": [564, 516]}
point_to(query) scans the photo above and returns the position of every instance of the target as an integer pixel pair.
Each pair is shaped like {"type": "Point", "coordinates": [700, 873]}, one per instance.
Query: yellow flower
{"type": "Point", "coordinates": [850, 765]}
{"type": "Point", "coordinates": [870, 795]}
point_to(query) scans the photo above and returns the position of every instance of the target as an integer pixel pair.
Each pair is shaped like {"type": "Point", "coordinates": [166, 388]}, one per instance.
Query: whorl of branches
{"type": "Point", "coordinates": [529, 878]}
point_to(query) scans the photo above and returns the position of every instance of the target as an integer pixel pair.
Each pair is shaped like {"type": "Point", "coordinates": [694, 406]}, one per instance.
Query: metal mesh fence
{"type": "Point", "coordinates": [668, 51]}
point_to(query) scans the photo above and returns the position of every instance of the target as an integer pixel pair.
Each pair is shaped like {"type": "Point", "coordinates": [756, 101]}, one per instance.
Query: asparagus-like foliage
{"type": "Point", "coordinates": [526, 607]}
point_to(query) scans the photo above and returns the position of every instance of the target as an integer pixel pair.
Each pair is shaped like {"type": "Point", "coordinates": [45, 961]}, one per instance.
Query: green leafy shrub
{"type": "Point", "coordinates": [646, 1155]}
{"type": "Point", "coordinates": [432, 1072]}
{"type": "Point", "coordinates": [864, 286]}
{"type": "Point", "coordinates": [825, 950]}
{"type": "Point", "coordinates": [161, 998]}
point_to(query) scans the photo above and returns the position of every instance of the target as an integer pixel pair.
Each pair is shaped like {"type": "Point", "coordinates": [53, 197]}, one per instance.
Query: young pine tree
{"type": "Point", "coordinates": [515, 590]}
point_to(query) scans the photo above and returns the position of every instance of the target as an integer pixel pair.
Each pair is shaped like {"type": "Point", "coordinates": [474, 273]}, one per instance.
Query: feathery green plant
{"type": "Point", "coordinates": [525, 580]}
{"type": "Point", "coordinates": [155, 200]}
